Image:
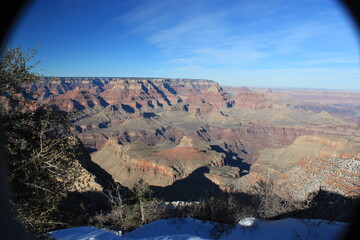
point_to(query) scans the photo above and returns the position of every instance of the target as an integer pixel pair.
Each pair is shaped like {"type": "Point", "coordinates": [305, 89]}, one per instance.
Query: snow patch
{"type": "Point", "coordinates": [192, 229]}
{"type": "Point", "coordinates": [247, 222]}
{"type": "Point", "coordinates": [175, 226]}
{"type": "Point", "coordinates": [289, 228]}
{"type": "Point", "coordinates": [84, 233]}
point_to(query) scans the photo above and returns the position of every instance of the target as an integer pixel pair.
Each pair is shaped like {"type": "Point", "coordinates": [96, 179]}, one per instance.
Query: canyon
{"type": "Point", "coordinates": [166, 130]}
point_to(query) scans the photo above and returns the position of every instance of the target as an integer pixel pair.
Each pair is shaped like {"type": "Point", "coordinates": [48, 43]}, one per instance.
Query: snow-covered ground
{"type": "Point", "coordinates": [289, 228]}
{"type": "Point", "coordinates": [84, 233]}
{"type": "Point", "coordinates": [192, 229]}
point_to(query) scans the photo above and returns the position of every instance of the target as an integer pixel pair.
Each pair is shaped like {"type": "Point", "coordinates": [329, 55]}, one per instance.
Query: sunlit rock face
{"type": "Point", "coordinates": [163, 130]}
{"type": "Point", "coordinates": [159, 167]}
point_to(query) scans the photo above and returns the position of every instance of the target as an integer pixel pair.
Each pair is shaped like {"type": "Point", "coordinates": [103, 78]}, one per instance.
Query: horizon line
{"type": "Point", "coordinates": [222, 85]}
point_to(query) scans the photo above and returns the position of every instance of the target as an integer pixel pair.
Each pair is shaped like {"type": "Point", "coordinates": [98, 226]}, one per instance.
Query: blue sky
{"type": "Point", "coordinates": [257, 43]}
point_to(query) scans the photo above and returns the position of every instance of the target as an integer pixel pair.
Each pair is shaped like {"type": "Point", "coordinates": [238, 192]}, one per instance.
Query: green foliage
{"type": "Point", "coordinates": [274, 200]}
{"type": "Point", "coordinates": [42, 170]}
{"type": "Point", "coordinates": [142, 190]}
{"type": "Point", "coordinates": [225, 208]}
{"type": "Point", "coordinates": [41, 151]}
{"type": "Point", "coordinates": [131, 211]}
{"type": "Point", "coordinates": [143, 194]}
{"type": "Point", "coordinates": [14, 69]}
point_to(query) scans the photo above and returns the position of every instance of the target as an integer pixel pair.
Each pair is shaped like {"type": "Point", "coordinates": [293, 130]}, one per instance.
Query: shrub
{"type": "Point", "coordinates": [274, 200]}
{"type": "Point", "coordinates": [42, 154]}
{"type": "Point", "coordinates": [131, 210]}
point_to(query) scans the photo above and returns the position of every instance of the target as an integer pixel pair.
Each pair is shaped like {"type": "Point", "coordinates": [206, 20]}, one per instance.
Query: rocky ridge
{"type": "Point", "coordinates": [159, 167]}
{"type": "Point", "coordinates": [163, 129]}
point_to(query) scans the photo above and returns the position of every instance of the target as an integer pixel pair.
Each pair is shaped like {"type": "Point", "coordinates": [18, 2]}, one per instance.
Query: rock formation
{"type": "Point", "coordinates": [161, 130]}
{"type": "Point", "coordinates": [159, 167]}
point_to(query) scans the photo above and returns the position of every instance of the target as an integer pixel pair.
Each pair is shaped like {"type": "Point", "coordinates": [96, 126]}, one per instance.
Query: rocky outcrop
{"type": "Point", "coordinates": [341, 104]}
{"type": "Point", "coordinates": [159, 167]}
{"type": "Point", "coordinates": [330, 174]}
{"type": "Point", "coordinates": [163, 129]}
{"type": "Point", "coordinates": [322, 146]}
{"type": "Point", "coordinates": [310, 164]}
{"type": "Point", "coordinates": [252, 100]}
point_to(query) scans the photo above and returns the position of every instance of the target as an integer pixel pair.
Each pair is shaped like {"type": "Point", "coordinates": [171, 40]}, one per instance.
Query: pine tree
{"type": "Point", "coordinates": [40, 147]}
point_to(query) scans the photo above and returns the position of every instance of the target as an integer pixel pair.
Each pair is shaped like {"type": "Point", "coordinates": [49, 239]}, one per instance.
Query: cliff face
{"type": "Point", "coordinates": [309, 175]}
{"type": "Point", "coordinates": [134, 94]}
{"type": "Point", "coordinates": [91, 177]}
{"type": "Point", "coordinates": [161, 130]}
{"type": "Point", "coordinates": [159, 167]}
{"type": "Point", "coordinates": [321, 146]}
{"type": "Point", "coordinates": [337, 175]}
{"type": "Point", "coordinates": [341, 104]}
{"type": "Point", "coordinates": [311, 163]}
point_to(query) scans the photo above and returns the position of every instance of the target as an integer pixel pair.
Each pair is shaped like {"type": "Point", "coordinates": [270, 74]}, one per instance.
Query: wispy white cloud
{"type": "Point", "coordinates": [198, 38]}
